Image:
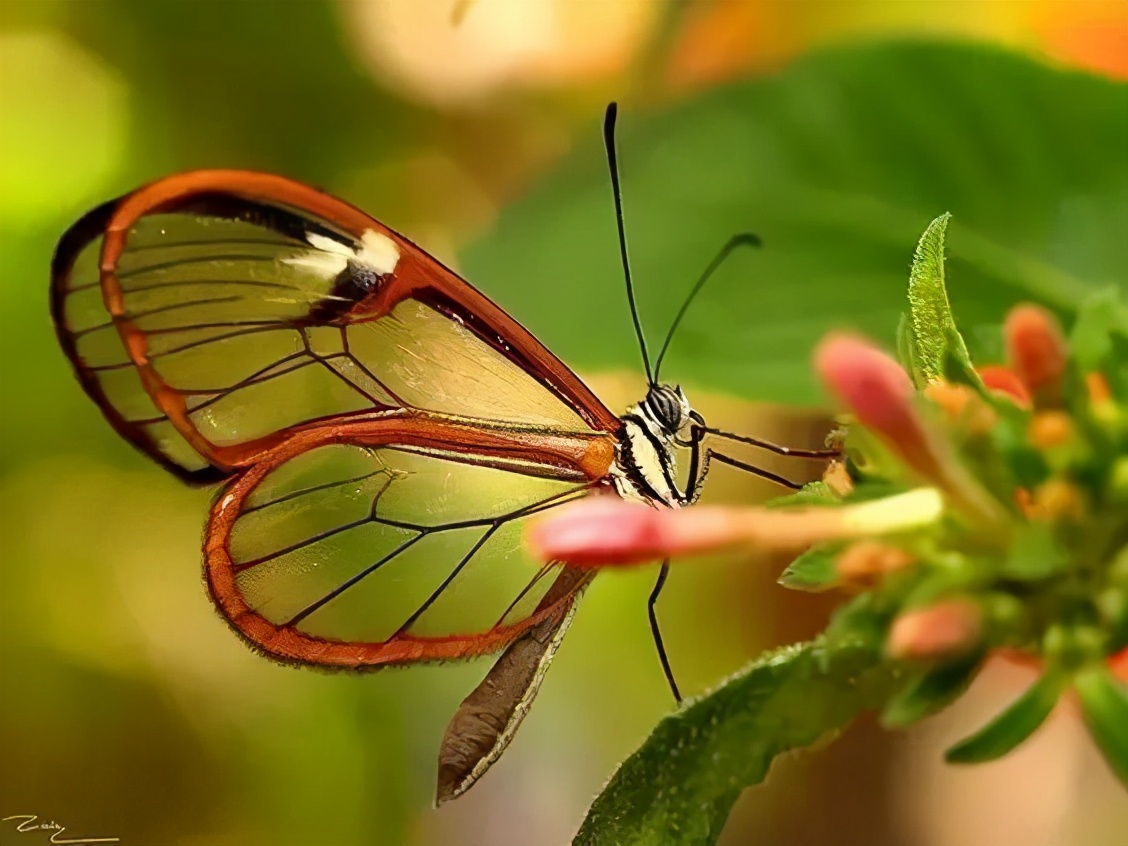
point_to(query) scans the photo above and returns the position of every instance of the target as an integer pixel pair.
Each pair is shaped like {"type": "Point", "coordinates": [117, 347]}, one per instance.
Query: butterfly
{"type": "Point", "coordinates": [379, 430]}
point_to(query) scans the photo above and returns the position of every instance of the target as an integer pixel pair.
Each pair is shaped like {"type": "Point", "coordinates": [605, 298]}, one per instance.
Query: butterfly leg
{"type": "Point", "coordinates": [753, 469]}
{"type": "Point", "coordinates": [654, 630]}
{"type": "Point", "coordinates": [698, 469]}
{"type": "Point", "coordinates": [828, 453]}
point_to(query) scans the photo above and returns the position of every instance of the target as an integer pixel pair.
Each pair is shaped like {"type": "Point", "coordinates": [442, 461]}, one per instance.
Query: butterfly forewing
{"type": "Point", "coordinates": [433, 362]}
{"type": "Point", "coordinates": [208, 322]}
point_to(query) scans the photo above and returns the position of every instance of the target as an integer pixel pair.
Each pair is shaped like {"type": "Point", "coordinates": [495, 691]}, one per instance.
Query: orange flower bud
{"type": "Point", "coordinates": [953, 399]}
{"type": "Point", "coordinates": [962, 406]}
{"type": "Point", "coordinates": [866, 561]}
{"type": "Point", "coordinates": [1049, 429]}
{"type": "Point", "coordinates": [1118, 663]}
{"type": "Point", "coordinates": [1003, 381]}
{"type": "Point", "coordinates": [1100, 399]}
{"type": "Point", "coordinates": [1097, 385]}
{"type": "Point", "coordinates": [1036, 351]}
{"type": "Point", "coordinates": [948, 629]}
{"type": "Point", "coordinates": [1058, 499]}
{"type": "Point", "coordinates": [1025, 502]}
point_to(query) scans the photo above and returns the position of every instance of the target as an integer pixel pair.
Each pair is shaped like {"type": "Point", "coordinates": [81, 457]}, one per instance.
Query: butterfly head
{"type": "Point", "coordinates": [669, 409]}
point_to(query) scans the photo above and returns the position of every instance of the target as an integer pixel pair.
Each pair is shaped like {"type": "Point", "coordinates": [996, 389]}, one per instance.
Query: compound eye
{"type": "Point", "coordinates": [667, 408]}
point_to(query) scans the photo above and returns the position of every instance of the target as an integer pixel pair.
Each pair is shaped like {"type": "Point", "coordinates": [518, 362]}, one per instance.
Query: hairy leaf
{"type": "Point", "coordinates": [677, 789]}
{"type": "Point", "coordinates": [929, 691]}
{"type": "Point", "coordinates": [934, 336]}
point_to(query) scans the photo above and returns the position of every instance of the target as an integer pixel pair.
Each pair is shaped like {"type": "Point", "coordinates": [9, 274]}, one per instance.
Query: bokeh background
{"type": "Point", "coordinates": [129, 710]}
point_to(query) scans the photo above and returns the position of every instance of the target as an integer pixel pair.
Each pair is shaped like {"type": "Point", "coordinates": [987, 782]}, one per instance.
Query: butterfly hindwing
{"type": "Point", "coordinates": [396, 540]}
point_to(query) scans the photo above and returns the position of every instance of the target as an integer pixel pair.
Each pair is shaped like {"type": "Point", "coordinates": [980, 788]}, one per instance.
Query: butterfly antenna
{"type": "Point", "coordinates": [613, 164]}
{"type": "Point", "coordinates": [744, 239]}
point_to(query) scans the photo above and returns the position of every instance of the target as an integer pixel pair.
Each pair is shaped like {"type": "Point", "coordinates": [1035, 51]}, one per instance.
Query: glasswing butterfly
{"type": "Point", "coordinates": [380, 430]}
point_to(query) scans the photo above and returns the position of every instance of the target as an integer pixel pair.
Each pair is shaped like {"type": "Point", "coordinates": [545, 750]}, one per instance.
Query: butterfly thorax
{"type": "Point", "coordinates": [646, 459]}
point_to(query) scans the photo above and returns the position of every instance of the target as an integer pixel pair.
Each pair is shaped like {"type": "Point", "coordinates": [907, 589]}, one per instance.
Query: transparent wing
{"type": "Point", "coordinates": [386, 548]}
{"type": "Point", "coordinates": [210, 314]}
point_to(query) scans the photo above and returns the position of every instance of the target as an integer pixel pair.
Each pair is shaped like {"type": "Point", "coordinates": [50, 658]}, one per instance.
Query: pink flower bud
{"type": "Point", "coordinates": [877, 389]}
{"type": "Point", "coordinates": [598, 531]}
{"type": "Point", "coordinates": [606, 530]}
{"type": "Point", "coordinates": [879, 393]}
{"type": "Point", "coordinates": [948, 629]}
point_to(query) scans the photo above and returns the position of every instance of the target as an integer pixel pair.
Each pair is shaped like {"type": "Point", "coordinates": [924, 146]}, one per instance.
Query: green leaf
{"type": "Point", "coordinates": [1102, 314]}
{"type": "Point", "coordinates": [814, 570]}
{"type": "Point", "coordinates": [867, 490]}
{"type": "Point", "coordinates": [1112, 603]}
{"type": "Point", "coordinates": [677, 789]}
{"type": "Point", "coordinates": [960, 574]}
{"type": "Point", "coordinates": [864, 619]}
{"type": "Point", "coordinates": [1013, 726]}
{"type": "Point", "coordinates": [812, 493]}
{"type": "Point", "coordinates": [929, 692]}
{"type": "Point", "coordinates": [935, 343]}
{"type": "Point", "coordinates": [1104, 703]}
{"type": "Point", "coordinates": [906, 351]}
{"type": "Point", "coordinates": [838, 162]}
{"type": "Point", "coordinates": [1034, 554]}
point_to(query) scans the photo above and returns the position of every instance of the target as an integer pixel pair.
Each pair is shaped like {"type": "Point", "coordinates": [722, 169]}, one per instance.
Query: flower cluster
{"type": "Point", "coordinates": [974, 511]}
{"type": "Point", "coordinates": [1030, 551]}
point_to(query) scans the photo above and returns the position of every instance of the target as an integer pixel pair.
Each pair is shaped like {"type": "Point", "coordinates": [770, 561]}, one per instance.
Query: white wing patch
{"type": "Point", "coordinates": [378, 252]}
{"type": "Point", "coordinates": [329, 245]}
{"type": "Point", "coordinates": [329, 257]}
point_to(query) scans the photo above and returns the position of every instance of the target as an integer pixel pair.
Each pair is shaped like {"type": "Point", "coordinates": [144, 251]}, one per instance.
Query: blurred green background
{"type": "Point", "coordinates": [128, 708]}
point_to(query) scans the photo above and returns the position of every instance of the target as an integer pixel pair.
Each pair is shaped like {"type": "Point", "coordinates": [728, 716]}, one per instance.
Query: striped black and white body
{"type": "Point", "coordinates": [647, 459]}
